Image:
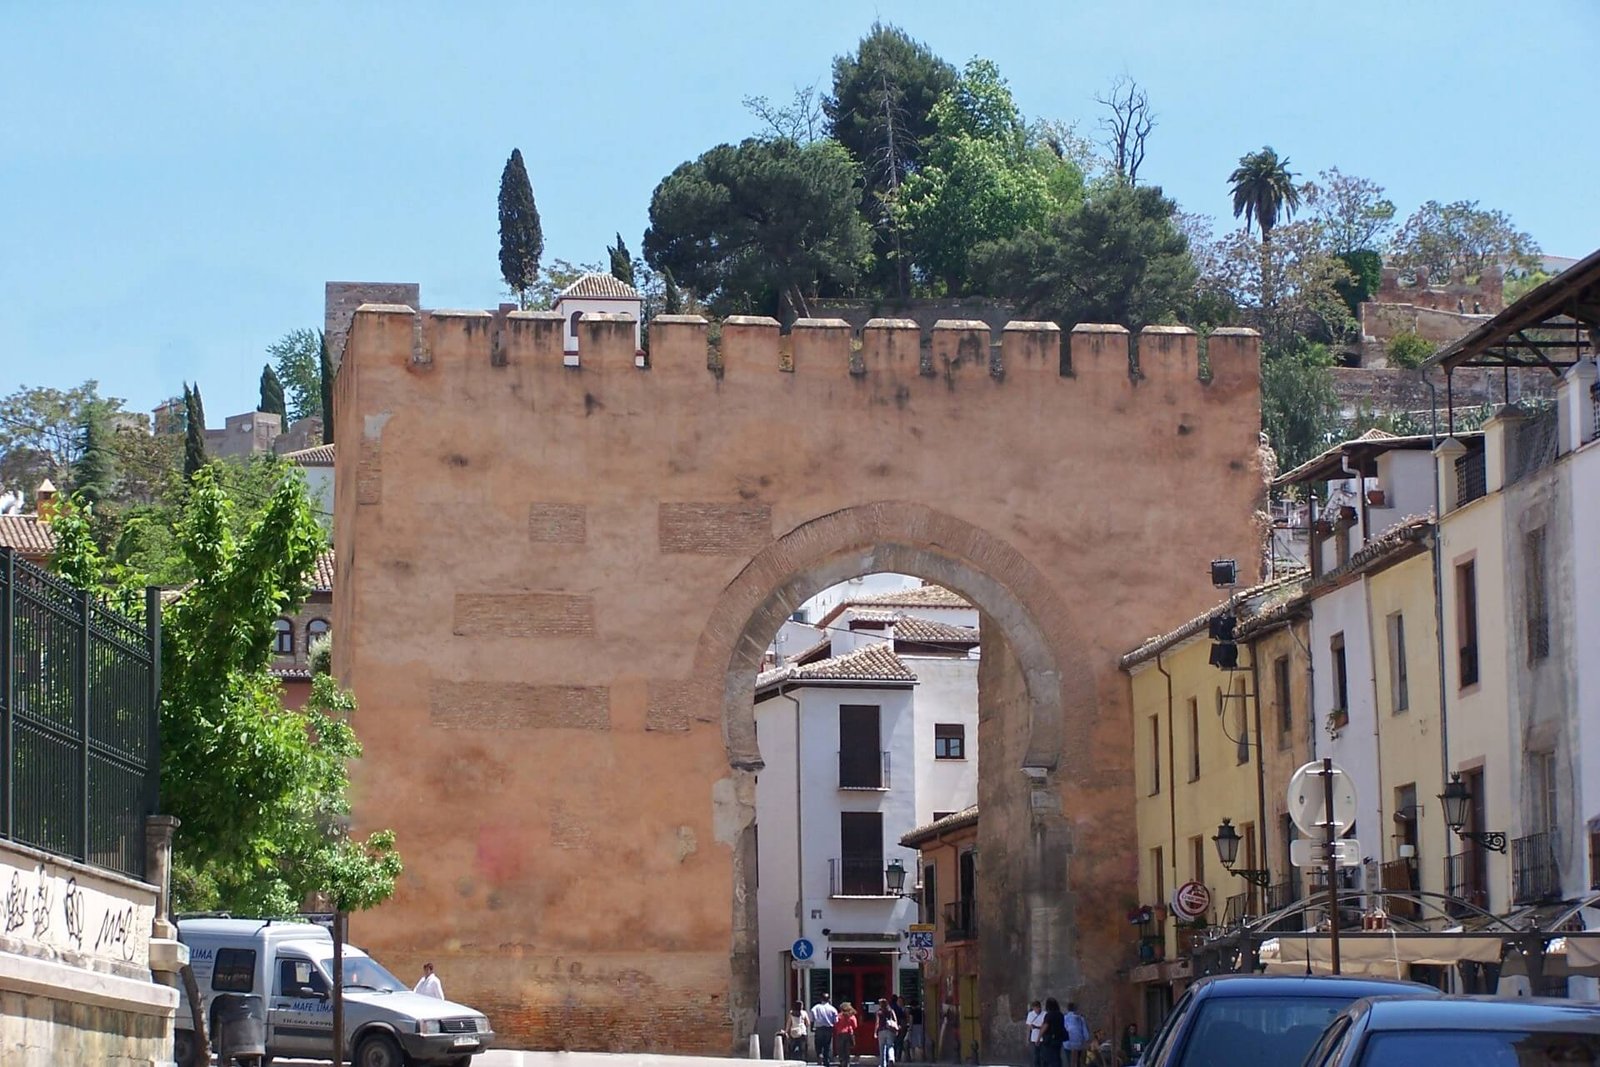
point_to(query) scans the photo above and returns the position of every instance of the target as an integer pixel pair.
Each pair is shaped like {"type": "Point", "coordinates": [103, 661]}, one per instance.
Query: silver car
{"type": "Point", "coordinates": [1460, 1032]}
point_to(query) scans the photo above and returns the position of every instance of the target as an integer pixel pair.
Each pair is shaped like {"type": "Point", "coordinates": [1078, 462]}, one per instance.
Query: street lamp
{"type": "Point", "coordinates": [1457, 801]}
{"type": "Point", "coordinates": [894, 876]}
{"type": "Point", "coordinates": [1227, 841]}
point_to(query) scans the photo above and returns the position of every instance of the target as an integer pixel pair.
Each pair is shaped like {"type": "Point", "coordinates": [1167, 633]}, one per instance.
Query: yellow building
{"type": "Point", "coordinates": [1199, 762]}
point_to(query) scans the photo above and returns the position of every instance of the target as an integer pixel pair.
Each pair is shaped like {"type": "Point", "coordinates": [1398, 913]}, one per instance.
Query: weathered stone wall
{"type": "Point", "coordinates": [38, 1031]}
{"type": "Point", "coordinates": [555, 585]}
{"type": "Point", "coordinates": [925, 313]}
{"type": "Point", "coordinates": [340, 300]}
{"type": "Point", "coordinates": [1385, 389]}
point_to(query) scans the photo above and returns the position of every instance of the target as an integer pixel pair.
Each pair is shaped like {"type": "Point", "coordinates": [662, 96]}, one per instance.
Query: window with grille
{"type": "Point", "coordinates": [1280, 694]}
{"type": "Point", "coordinates": [1536, 600]}
{"type": "Point", "coordinates": [1155, 754]}
{"type": "Point", "coordinates": [1399, 684]}
{"type": "Point", "coordinates": [1341, 677]}
{"type": "Point", "coordinates": [1467, 622]}
{"type": "Point", "coordinates": [1194, 739]}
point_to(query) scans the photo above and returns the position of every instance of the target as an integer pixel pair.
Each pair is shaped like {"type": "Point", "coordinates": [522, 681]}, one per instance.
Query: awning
{"type": "Point", "coordinates": [1379, 955]}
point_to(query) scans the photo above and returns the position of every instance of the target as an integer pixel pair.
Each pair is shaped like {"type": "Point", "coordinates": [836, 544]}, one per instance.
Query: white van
{"type": "Point", "coordinates": [289, 964]}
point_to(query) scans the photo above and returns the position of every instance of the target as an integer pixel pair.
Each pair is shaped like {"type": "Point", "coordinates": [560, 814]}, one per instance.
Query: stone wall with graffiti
{"type": "Point", "coordinates": [71, 913]}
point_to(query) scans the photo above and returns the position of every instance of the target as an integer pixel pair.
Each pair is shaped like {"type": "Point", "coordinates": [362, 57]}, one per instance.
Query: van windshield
{"type": "Point", "coordinates": [364, 972]}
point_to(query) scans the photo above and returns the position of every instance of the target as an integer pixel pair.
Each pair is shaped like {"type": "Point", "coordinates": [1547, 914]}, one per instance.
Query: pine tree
{"type": "Point", "coordinates": [194, 431]}
{"type": "Point", "coordinates": [271, 402]}
{"type": "Point", "coordinates": [521, 239]}
{"type": "Point", "coordinates": [621, 261]}
{"type": "Point", "coordinates": [326, 372]}
{"type": "Point", "coordinates": [92, 475]}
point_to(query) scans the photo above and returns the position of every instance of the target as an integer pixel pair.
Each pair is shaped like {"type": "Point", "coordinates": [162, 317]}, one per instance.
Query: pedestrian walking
{"type": "Point", "coordinates": [844, 1034]}
{"type": "Point", "coordinates": [1077, 1040]}
{"type": "Point", "coordinates": [902, 1036]}
{"type": "Point", "coordinates": [887, 1028]}
{"type": "Point", "coordinates": [1034, 1022]}
{"type": "Point", "coordinates": [429, 985]}
{"type": "Point", "coordinates": [1052, 1034]}
{"type": "Point", "coordinates": [824, 1016]}
{"type": "Point", "coordinates": [1132, 1044]}
{"type": "Point", "coordinates": [917, 1032]}
{"type": "Point", "coordinates": [796, 1032]}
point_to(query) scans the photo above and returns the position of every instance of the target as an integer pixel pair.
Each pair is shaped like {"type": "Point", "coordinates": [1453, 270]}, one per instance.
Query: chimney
{"type": "Point", "coordinates": [44, 500]}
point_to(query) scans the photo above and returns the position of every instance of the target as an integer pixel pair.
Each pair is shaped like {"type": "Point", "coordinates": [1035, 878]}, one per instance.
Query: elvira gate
{"type": "Point", "coordinates": [555, 584]}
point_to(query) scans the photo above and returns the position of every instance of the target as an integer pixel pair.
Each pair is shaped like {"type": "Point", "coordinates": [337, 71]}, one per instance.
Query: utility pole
{"type": "Point", "coordinates": [1332, 860]}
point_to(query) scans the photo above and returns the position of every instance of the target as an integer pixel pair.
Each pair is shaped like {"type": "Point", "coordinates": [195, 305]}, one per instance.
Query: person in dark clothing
{"type": "Point", "coordinates": [1052, 1034]}
{"type": "Point", "coordinates": [903, 1035]}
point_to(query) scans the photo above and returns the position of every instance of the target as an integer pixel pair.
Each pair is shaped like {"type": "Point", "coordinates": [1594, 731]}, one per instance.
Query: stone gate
{"type": "Point", "coordinates": [555, 584]}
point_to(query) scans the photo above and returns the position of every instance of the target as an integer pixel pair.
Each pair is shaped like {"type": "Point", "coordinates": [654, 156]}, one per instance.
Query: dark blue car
{"type": "Point", "coordinates": [1260, 1019]}
{"type": "Point", "coordinates": [1460, 1032]}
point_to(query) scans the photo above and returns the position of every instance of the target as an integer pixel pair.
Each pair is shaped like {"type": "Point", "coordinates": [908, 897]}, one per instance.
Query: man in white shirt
{"type": "Point", "coordinates": [823, 1017]}
{"type": "Point", "coordinates": [1035, 1023]}
{"type": "Point", "coordinates": [430, 986]}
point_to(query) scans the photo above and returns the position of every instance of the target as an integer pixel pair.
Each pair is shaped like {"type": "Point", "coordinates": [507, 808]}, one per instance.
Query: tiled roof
{"type": "Point", "coordinates": [28, 535]}
{"type": "Point", "coordinates": [872, 615]}
{"type": "Point", "coordinates": [923, 596]}
{"type": "Point", "coordinates": [1243, 603]}
{"type": "Point", "coordinates": [322, 579]}
{"type": "Point", "coordinates": [291, 672]}
{"type": "Point", "coordinates": [959, 821]}
{"type": "Point", "coordinates": [927, 632]}
{"type": "Point", "coordinates": [315, 456]}
{"type": "Point", "coordinates": [600, 286]}
{"type": "Point", "coordinates": [874, 663]}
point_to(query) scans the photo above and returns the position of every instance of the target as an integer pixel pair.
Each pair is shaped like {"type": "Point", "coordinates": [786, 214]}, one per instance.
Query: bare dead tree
{"type": "Point", "coordinates": [1127, 127]}
{"type": "Point", "coordinates": [890, 160]}
{"type": "Point", "coordinates": [800, 120]}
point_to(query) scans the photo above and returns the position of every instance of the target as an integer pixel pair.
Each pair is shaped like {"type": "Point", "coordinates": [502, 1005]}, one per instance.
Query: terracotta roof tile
{"type": "Point", "coordinates": [322, 577]}
{"type": "Point", "coordinates": [1244, 603]}
{"type": "Point", "coordinates": [923, 596]}
{"type": "Point", "coordinates": [874, 663]}
{"type": "Point", "coordinates": [958, 821]}
{"type": "Point", "coordinates": [925, 631]}
{"type": "Point", "coordinates": [600, 286]}
{"type": "Point", "coordinates": [28, 535]}
{"type": "Point", "coordinates": [315, 456]}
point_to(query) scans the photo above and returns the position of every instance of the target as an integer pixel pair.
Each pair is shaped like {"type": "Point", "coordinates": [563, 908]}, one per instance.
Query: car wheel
{"type": "Point", "coordinates": [464, 1061]}
{"type": "Point", "coordinates": [379, 1050]}
{"type": "Point", "coordinates": [183, 1048]}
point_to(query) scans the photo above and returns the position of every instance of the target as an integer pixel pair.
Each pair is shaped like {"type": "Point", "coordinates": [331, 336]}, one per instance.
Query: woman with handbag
{"type": "Point", "coordinates": [797, 1033]}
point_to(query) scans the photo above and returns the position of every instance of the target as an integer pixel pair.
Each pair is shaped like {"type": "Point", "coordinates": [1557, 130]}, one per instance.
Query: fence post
{"type": "Point", "coordinates": [8, 688]}
{"type": "Point", "coordinates": [152, 628]}
{"type": "Point", "coordinates": [85, 608]}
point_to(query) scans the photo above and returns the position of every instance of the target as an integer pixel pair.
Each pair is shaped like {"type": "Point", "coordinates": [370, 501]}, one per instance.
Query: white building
{"type": "Point", "coordinates": [316, 463]}
{"type": "Point", "coordinates": [596, 294]}
{"type": "Point", "coordinates": [865, 736]}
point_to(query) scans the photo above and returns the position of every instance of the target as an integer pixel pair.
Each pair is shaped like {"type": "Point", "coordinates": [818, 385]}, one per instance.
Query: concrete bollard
{"type": "Point", "coordinates": [755, 1046]}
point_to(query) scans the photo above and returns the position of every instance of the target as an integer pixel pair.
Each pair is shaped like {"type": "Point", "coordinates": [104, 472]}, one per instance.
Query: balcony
{"type": "Point", "coordinates": [1465, 877]}
{"type": "Point", "coordinates": [959, 921]}
{"type": "Point", "coordinates": [1535, 875]}
{"type": "Point", "coordinates": [863, 769]}
{"type": "Point", "coordinates": [1401, 876]}
{"type": "Point", "coordinates": [852, 877]}
{"type": "Point", "coordinates": [1237, 909]}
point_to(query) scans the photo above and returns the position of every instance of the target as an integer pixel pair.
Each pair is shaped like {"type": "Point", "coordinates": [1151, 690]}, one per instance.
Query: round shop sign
{"type": "Point", "coordinates": [922, 955]}
{"type": "Point", "coordinates": [1191, 900]}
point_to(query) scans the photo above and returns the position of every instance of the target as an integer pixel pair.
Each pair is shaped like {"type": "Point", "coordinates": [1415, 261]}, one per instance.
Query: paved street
{"type": "Point", "coordinates": [513, 1058]}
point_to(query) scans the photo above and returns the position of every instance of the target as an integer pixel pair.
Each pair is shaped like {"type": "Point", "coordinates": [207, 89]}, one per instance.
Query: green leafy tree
{"type": "Point", "coordinates": [1289, 289]}
{"type": "Point", "coordinates": [521, 236]}
{"type": "Point", "coordinates": [261, 789]}
{"type": "Point", "coordinates": [1366, 273]}
{"type": "Point", "coordinates": [672, 296]}
{"type": "Point", "coordinates": [41, 433]}
{"type": "Point", "coordinates": [1263, 190]}
{"type": "Point", "coordinates": [760, 223]}
{"type": "Point", "coordinates": [325, 374]}
{"type": "Point", "coordinates": [1462, 239]}
{"type": "Point", "coordinates": [1409, 350]}
{"type": "Point", "coordinates": [194, 431]}
{"type": "Point", "coordinates": [1299, 406]}
{"type": "Point", "coordinates": [295, 360]}
{"type": "Point", "coordinates": [1118, 258]}
{"type": "Point", "coordinates": [271, 401]}
{"type": "Point", "coordinates": [554, 278]}
{"type": "Point", "coordinates": [982, 179]}
{"type": "Point", "coordinates": [621, 261]}
{"type": "Point", "coordinates": [1353, 212]}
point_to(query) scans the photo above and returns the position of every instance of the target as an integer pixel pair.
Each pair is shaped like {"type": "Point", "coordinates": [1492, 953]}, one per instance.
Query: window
{"type": "Point", "coordinates": [1197, 858]}
{"type": "Point", "coordinates": [1241, 724]}
{"type": "Point", "coordinates": [1155, 754]}
{"type": "Point", "coordinates": [1280, 695]}
{"type": "Point", "coordinates": [1399, 685]}
{"type": "Point", "coordinates": [1542, 792]}
{"type": "Point", "coordinates": [283, 637]}
{"type": "Point", "coordinates": [1467, 622]}
{"type": "Point", "coordinates": [949, 740]}
{"type": "Point", "coordinates": [860, 759]}
{"type": "Point", "coordinates": [930, 893]}
{"type": "Point", "coordinates": [1341, 678]}
{"type": "Point", "coordinates": [299, 979]}
{"type": "Point", "coordinates": [572, 322]}
{"type": "Point", "coordinates": [315, 629]}
{"type": "Point", "coordinates": [942, 815]}
{"type": "Point", "coordinates": [1194, 739]}
{"type": "Point", "coordinates": [1158, 863]}
{"type": "Point", "coordinates": [234, 970]}
{"type": "Point", "coordinates": [1536, 600]}
{"type": "Point", "coordinates": [860, 854]}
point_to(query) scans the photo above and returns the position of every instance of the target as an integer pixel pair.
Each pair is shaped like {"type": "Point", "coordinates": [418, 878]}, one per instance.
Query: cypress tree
{"type": "Point", "coordinates": [325, 373]}
{"type": "Point", "coordinates": [92, 474]}
{"type": "Point", "coordinates": [521, 239]}
{"type": "Point", "coordinates": [271, 402]}
{"type": "Point", "coordinates": [194, 432]}
{"type": "Point", "coordinates": [621, 261]}
{"type": "Point", "coordinates": [672, 302]}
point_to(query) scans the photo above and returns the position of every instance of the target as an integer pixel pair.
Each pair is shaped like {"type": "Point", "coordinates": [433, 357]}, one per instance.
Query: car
{"type": "Point", "coordinates": [1235, 1019]}
{"type": "Point", "coordinates": [1460, 1032]}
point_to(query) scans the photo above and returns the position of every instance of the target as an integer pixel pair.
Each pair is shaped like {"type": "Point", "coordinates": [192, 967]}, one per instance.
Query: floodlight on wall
{"type": "Point", "coordinates": [1224, 653]}
{"type": "Point", "coordinates": [1224, 573]}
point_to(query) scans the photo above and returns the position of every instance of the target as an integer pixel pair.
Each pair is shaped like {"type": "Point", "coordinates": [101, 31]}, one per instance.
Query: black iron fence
{"type": "Point", "coordinates": [1535, 875]}
{"type": "Point", "coordinates": [78, 719]}
{"type": "Point", "coordinates": [852, 876]}
{"type": "Point", "coordinates": [1466, 879]}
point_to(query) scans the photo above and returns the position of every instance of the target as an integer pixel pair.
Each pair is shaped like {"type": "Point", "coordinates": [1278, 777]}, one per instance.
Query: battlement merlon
{"type": "Point", "coordinates": [959, 351]}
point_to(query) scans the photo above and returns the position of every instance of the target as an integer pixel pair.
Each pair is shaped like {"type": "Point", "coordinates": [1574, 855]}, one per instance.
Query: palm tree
{"type": "Point", "coordinates": [1263, 189]}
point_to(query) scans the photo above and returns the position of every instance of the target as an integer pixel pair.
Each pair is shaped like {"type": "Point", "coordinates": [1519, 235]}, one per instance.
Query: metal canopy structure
{"type": "Point", "coordinates": [1549, 328]}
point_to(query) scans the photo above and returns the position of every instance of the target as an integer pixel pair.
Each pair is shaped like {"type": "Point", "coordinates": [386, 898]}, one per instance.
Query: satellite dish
{"type": "Point", "coordinates": [1306, 801]}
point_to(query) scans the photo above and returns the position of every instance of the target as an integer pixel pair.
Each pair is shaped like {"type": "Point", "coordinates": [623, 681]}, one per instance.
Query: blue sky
{"type": "Point", "coordinates": [177, 181]}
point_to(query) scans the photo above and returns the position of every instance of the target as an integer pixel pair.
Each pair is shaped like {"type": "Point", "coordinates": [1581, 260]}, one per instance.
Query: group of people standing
{"type": "Point", "coordinates": [1062, 1039]}
{"type": "Point", "coordinates": [832, 1031]}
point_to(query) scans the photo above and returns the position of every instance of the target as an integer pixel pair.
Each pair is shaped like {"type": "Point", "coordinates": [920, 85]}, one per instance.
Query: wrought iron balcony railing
{"type": "Point", "coordinates": [850, 877]}
{"type": "Point", "coordinates": [1535, 875]}
{"type": "Point", "coordinates": [868, 769]}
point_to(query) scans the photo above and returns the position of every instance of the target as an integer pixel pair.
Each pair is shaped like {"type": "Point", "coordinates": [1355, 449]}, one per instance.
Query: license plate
{"type": "Point", "coordinates": [462, 1042]}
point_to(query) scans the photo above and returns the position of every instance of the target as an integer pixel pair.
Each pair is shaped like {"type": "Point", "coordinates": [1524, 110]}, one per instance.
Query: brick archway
{"type": "Point", "coordinates": [905, 538]}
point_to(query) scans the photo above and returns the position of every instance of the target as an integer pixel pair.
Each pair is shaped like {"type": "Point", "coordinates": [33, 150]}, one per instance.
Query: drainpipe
{"type": "Point", "coordinates": [1261, 774]}
{"type": "Point", "coordinates": [1172, 785]}
{"type": "Point", "coordinates": [1377, 715]}
{"type": "Point", "coordinates": [799, 838]}
{"type": "Point", "coordinates": [1436, 546]}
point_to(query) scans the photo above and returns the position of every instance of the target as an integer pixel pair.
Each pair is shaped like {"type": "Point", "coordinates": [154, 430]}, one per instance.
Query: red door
{"type": "Point", "coordinates": [862, 978]}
